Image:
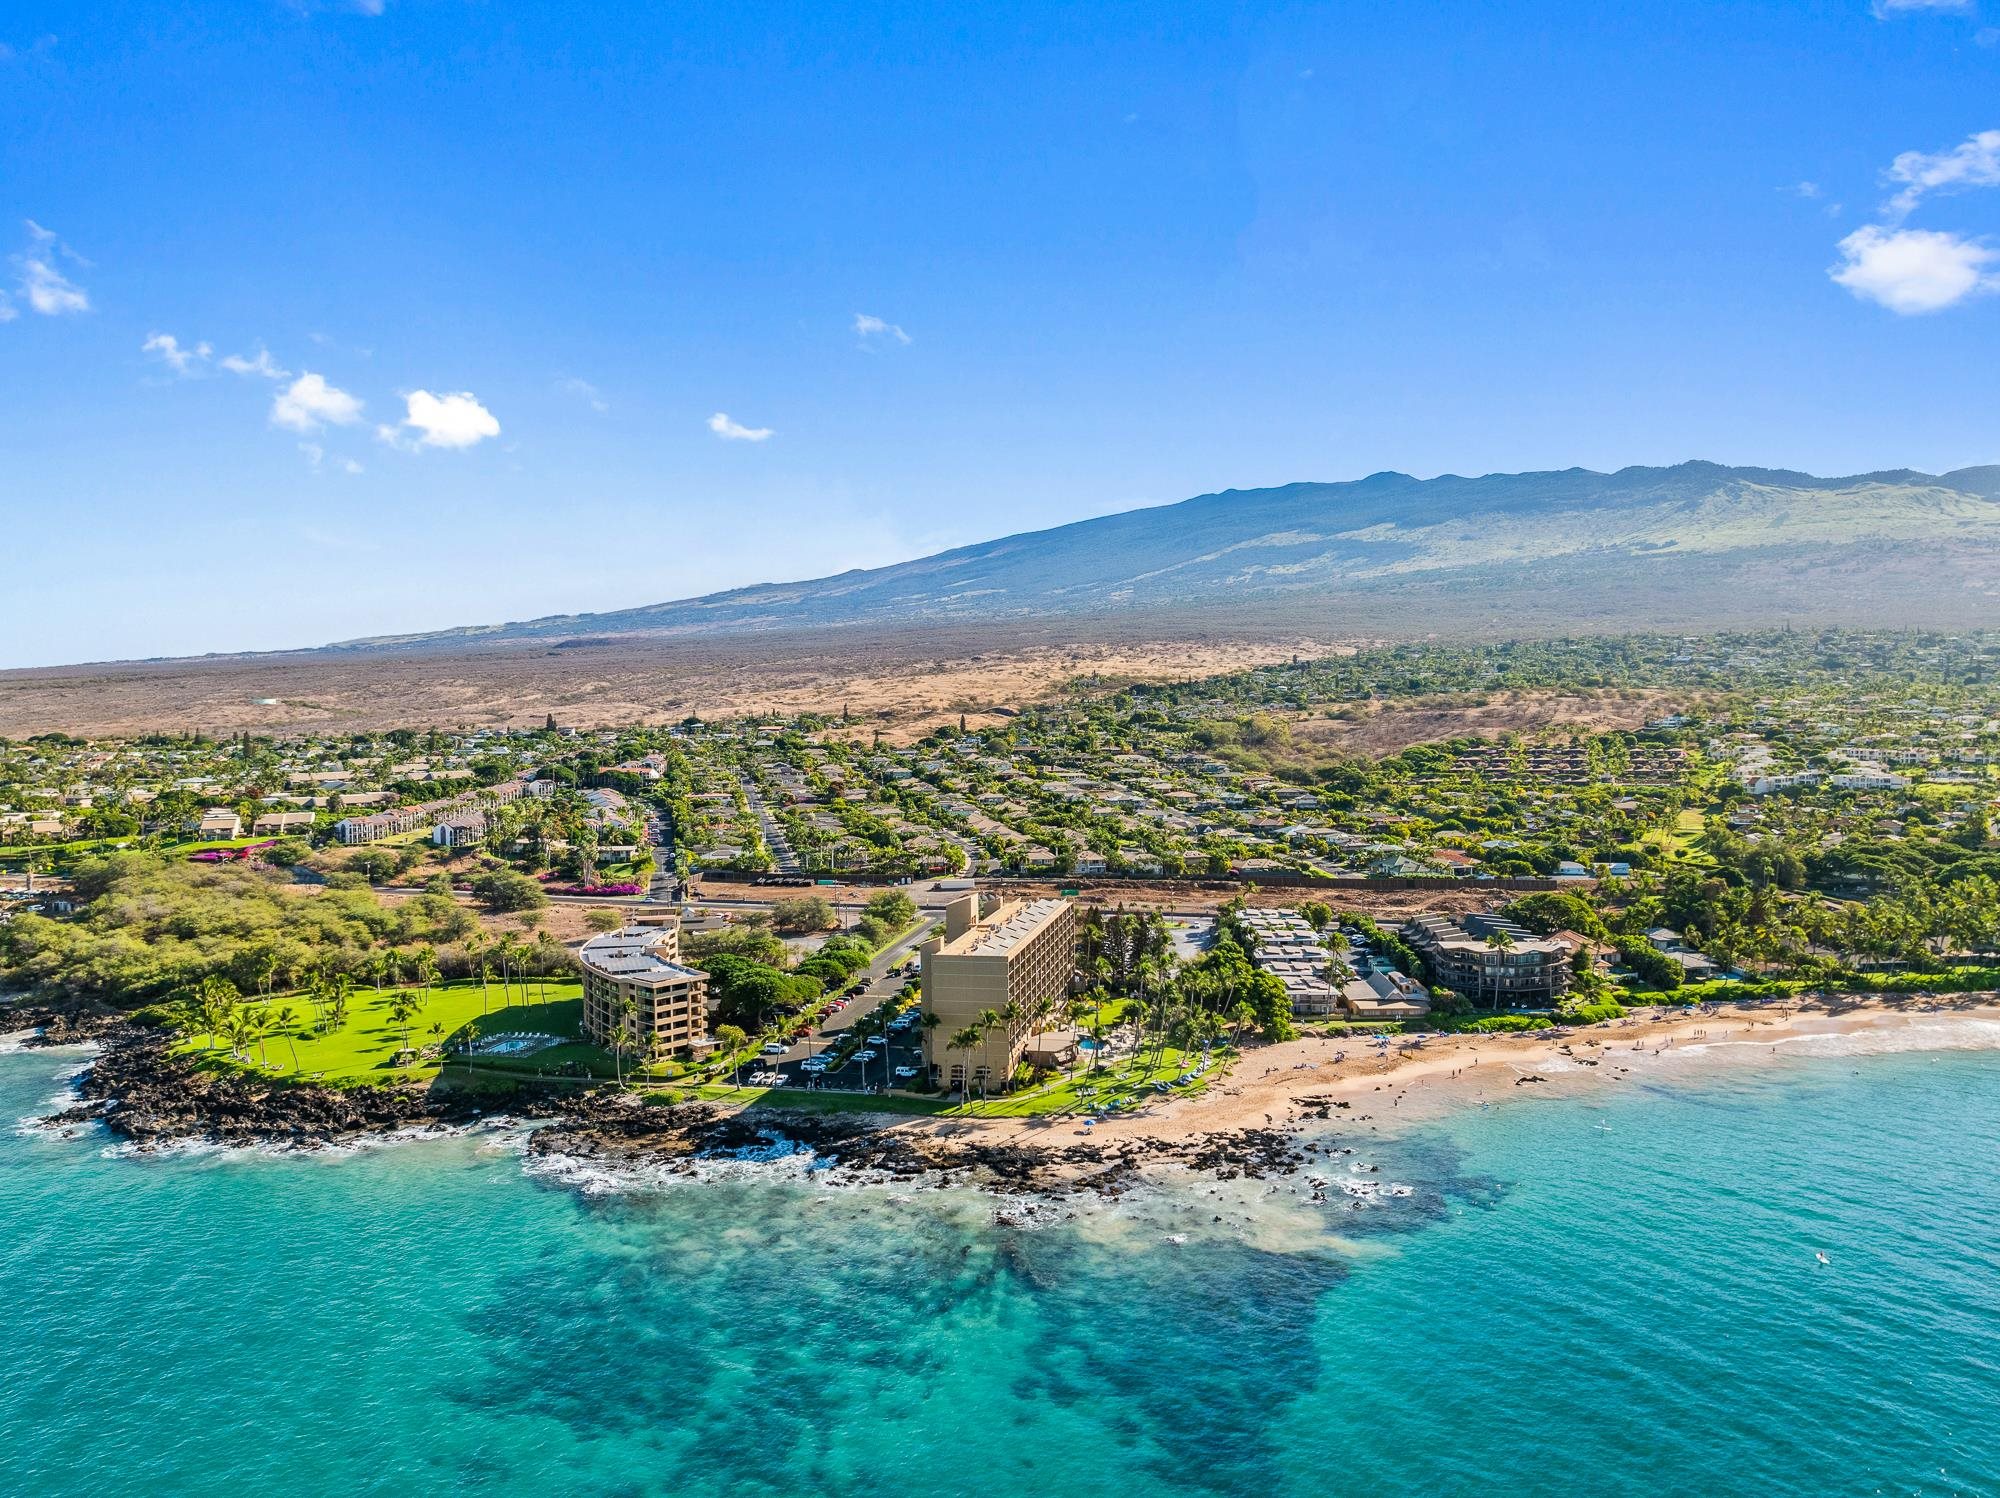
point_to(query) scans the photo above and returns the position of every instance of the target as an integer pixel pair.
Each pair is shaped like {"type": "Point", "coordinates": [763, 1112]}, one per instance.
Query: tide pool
{"type": "Point", "coordinates": [1605, 1292]}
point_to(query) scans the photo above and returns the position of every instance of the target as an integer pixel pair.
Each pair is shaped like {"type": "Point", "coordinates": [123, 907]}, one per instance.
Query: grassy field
{"type": "Point", "coordinates": [91, 846]}
{"type": "Point", "coordinates": [1680, 842]}
{"type": "Point", "coordinates": [365, 1048]}
{"type": "Point", "coordinates": [1123, 1085]}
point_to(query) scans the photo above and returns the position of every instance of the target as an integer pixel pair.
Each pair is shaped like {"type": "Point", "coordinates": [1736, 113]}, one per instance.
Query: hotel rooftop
{"type": "Point", "coordinates": [634, 952]}
{"type": "Point", "coordinates": [998, 938]}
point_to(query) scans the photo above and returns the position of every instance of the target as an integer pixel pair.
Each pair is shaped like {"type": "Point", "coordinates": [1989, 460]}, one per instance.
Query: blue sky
{"type": "Point", "coordinates": [483, 310]}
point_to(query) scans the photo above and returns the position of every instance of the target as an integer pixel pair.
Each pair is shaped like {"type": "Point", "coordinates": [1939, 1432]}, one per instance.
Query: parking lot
{"type": "Point", "coordinates": [842, 1051]}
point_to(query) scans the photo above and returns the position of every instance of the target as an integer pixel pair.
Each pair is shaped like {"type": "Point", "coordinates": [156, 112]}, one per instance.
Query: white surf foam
{"type": "Point", "coordinates": [1891, 1036]}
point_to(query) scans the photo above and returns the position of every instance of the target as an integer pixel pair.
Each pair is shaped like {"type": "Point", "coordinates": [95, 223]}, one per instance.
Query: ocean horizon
{"type": "Point", "coordinates": [1601, 1290]}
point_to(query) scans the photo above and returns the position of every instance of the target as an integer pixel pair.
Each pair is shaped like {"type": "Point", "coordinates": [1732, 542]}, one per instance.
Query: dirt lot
{"type": "Point", "coordinates": [1390, 729]}
{"type": "Point", "coordinates": [902, 682]}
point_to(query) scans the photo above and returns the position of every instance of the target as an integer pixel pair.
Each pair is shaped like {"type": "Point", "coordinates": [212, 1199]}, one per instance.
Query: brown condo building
{"type": "Point", "coordinates": [1021, 956]}
{"type": "Point", "coordinates": [642, 963]}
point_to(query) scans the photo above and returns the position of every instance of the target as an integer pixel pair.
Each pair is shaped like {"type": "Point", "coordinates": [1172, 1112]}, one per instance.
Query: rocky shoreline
{"type": "Point", "coordinates": [617, 1133]}
{"type": "Point", "coordinates": [143, 1093]}
{"type": "Point", "coordinates": [139, 1090]}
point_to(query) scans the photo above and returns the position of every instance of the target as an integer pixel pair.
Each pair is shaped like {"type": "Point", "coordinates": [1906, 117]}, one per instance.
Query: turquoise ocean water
{"type": "Point", "coordinates": [1609, 1291]}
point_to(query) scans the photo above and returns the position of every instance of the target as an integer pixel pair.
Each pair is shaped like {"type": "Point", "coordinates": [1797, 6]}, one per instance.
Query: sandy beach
{"type": "Point", "coordinates": [1350, 1079]}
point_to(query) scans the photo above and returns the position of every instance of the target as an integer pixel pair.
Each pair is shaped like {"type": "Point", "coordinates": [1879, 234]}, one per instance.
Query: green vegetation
{"type": "Point", "coordinates": [152, 927]}
{"type": "Point", "coordinates": [395, 1035]}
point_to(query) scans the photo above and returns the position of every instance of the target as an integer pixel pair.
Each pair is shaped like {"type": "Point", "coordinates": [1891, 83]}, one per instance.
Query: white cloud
{"type": "Point", "coordinates": [317, 456]}
{"type": "Point", "coordinates": [308, 402]}
{"type": "Point", "coordinates": [1886, 8]}
{"type": "Point", "coordinates": [259, 364]}
{"type": "Point", "coordinates": [1973, 162]}
{"type": "Point", "coordinates": [867, 328]}
{"type": "Point", "coordinates": [735, 431]}
{"type": "Point", "coordinates": [43, 287]}
{"type": "Point", "coordinates": [49, 291]}
{"type": "Point", "coordinates": [585, 391]}
{"type": "Point", "coordinates": [7, 312]}
{"type": "Point", "coordinates": [1805, 189]}
{"type": "Point", "coordinates": [449, 420]}
{"type": "Point", "coordinates": [168, 350]}
{"type": "Point", "coordinates": [1914, 270]}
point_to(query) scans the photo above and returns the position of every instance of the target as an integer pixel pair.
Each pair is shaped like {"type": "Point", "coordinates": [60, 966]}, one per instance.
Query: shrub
{"type": "Point", "coordinates": [808, 913]}
{"type": "Point", "coordinates": [1555, 911]}
{"type": "Point", "coordinates": [1595, 1014]}
{"type": "Point", "coordinates": [1500, 1024]}
{"type": "Point", "coordinates": [1653, 966]}
{"type": "Point", "coordinates": [161, 1016]}
{"type": "Point", "coordinates": [892, 908]}
{"type": "Point", "coordinates": [503, 890]}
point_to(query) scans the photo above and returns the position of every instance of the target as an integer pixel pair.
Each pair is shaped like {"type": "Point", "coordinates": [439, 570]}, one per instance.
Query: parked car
{"type": "Point", "coordinates": [775, 1048]}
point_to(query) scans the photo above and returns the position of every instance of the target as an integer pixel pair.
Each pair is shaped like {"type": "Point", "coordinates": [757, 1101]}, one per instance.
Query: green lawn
{"type": "Point", "coordinates": [91, 846]}
{"type": "Point", "coordinates": [1128, 1082]}
{"type": "Point", "coordinates": [1121, 1084]}
{"type": "Point", "coordinates": [364, 1049]}
{"type": "Point", "coordinates": [1682, 841]}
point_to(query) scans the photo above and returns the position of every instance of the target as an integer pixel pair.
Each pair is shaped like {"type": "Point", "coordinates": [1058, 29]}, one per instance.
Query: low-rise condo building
{"type": "Point", "coordinates": [640, 965]}
{"type": "Point", "coordinates": [1491, 960]}
{"type": "Point", "coordinates": [1015, 963]}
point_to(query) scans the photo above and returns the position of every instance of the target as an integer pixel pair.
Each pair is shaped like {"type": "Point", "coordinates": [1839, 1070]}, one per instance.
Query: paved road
{"type": "Point", "coordinates": [774, 835]}
{"type": "Point", "coordinates": [665, 887]}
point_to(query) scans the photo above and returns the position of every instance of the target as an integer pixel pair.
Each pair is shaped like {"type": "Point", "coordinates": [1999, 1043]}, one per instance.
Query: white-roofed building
{"type": "Point", "coordinates": [640, 965]}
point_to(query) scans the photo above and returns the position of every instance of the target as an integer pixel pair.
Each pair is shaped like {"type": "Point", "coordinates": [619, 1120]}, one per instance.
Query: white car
{"type": "Point", "coordinates": [867, 1054]}
{"type": "Point", "coordinates": [813, 1064]}
{"type": "Point", "coordinates": [775, 1048]}
{"type": "Point", "coordinates": [904, 1073]}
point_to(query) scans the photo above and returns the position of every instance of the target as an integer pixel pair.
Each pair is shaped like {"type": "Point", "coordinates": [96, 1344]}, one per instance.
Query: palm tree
{"type": "Point", "coordinates": [475, 960]}
{"type": "Point", "coordinates": [283, 1020]}
{"type": "Point", "coordinates": [1497, 940]}
{"type": "Point", "coordinates": [215, 999]}
{"type": "Point", "coordinates": [503, 948]}
{"type": "Point", "coordinates": [732, 1038]}
{"type": "Point", "coordinates": [967, 1040]}
{"type": "Point", "coordinates": [244, 1031]}
{"type": "Point", "coordinates": [624, 1030]}
{"type": "Point", "coordinates": [988, 1021]}
{"type": "Point", "coordinates": [401, 1008]}
{"type": "Point", "coordinates": [1245, 1015]}
{"type": "Point", "coordinates": [930, 1022]}
{"type": "Point", "coordinates": [547, 952]}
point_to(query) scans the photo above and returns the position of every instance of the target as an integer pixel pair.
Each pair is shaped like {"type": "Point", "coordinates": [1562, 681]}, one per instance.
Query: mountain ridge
{"type": "Point", "coordinates": [1375, 536]}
